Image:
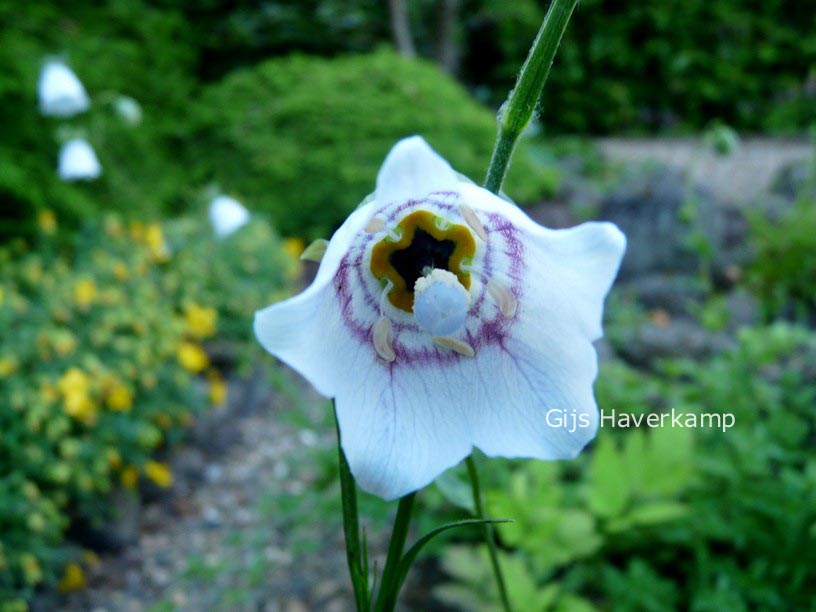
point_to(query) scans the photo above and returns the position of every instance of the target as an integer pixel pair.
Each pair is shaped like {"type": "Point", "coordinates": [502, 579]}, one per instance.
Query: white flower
{"type": "Point", "coordinates": [128, 109]}
{"type": "Point", "coordinates": [77, 161]}
{"type": "Point", "coordinates": [60, 91]}
{"type": "Point", "coordinates": [227, 215]}
{"type": "Point", "coordinates": [443, 318]}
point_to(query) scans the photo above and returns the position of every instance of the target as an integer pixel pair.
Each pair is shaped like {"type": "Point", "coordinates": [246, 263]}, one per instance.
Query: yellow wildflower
{"type": "Point", "coordinates": [8, 365]}
{"type": "Point", "coordinates": [120, 270]}
{"type": "Point", "coordinates": [159, 473]}
{"type": "Point", "coordinates": [85, 293]}
{"type": "Point", "coordinates": [74, 381]}
{"type": "Point", "coordinates": [73, 579]}
{"type": "Point", "coordinates": [129, 477]}
{"type": "Point", "coordinates": [164, 421]}
{"type": "Point", "coordinates": [79, 406]}
{"type": "Point", "coordinates": [49, 393]}
{"type": "Point", "coordinates": [154, 238]}
{"type": "Point", "coordinates": [64, 342]}
{"type": "Point", "coordinates": [32, 573]}
{"type": "Point", "coordinates": [47, 221]}
{"type": "Point", "coordinates": [294, 247]}
{"type": "Point", "coordinates": [218, 388]}
{"type": "Point", "coordinates": [137, 231]}
{"type": "Point", "coordinates": [119, 398]}
{"type": "Point", "coordinates": [200, 320]}
{"type": "Point", "coordinates": [114, 459]}
{"type": "Point", "coordinates": [192, 357]}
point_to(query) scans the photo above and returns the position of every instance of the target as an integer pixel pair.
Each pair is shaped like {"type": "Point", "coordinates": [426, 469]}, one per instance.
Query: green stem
{"type": "Point", "coordinates": [351, 528]}
{"type": "Point", "coordinates": [518, 109]}
{"type": "Point", "coordinates": [489, 534]}
{"type": "Point", "coordinates": [389, 585]}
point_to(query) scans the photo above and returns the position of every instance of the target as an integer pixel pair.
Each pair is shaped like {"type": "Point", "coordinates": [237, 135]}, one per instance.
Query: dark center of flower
{"type": "Point", "coordinates": [423, 241]}
{"type": "Point", "coordinates": [423, 253]}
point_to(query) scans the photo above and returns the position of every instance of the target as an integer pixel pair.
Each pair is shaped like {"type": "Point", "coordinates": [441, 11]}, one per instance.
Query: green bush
{"type": "Point", "coordinates": [302, 138]}
{"type": "Point", "coordinates": [118, 48]}
{"type": "Point", "coordinates": [102, 364]}
{"type": "Point", "coordinates": [670, 518]}
{"type": "Point", "coordinates": [633, 65]}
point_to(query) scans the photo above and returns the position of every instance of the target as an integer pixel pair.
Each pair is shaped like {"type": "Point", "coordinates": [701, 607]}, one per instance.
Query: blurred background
{"type": "Point", "coordinates": [163, 165]}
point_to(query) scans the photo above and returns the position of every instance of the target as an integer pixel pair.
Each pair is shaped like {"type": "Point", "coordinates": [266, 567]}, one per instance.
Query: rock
{"type": "Point", "coordinates": [674, 294]}
{"type": "Point", "coordinates": [649, 206]}
{"type": "Point", "coordinates": [642, 346]}
{"type": "Point", "coordinates": [792, 179]}
{"type": "Point", "coordinates": [743, 309]}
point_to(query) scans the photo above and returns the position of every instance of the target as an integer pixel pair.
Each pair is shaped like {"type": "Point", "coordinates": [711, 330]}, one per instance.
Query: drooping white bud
{"type": "Point", "coordinates": [440, 303]}
{"type": "Point", "coordinates": [227, 215]}
{"type": "Point", "coordinates": [78, 162]}
{"type": "Point", "coordinates": [60, 92]}
{"type": "Point", "coordinates": [129, 110]}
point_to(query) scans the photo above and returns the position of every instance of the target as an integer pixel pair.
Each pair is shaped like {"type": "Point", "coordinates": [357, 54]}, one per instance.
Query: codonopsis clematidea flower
{"type": "Point", "coordinates": [60, 91]}
{"type": "Point", "coordinates": [227, 215]}
{"type": "Point", "coordinates": [443, 318]}
{"type": "Point", "coordinates": [77, 161]}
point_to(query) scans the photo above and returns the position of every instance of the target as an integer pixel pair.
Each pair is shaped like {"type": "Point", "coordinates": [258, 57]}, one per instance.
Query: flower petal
{"type": "Point", "coordinates": [306, 331]}
{"type": "Point", "coordinates": [572, 269]}
{"type": "Point", "coordinates": [411, 171]}
{"type": "Point", "coordinates": [395, 439]}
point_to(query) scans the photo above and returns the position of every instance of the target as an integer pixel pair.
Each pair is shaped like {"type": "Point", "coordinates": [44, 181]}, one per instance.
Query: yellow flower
{"type": "Point", "coordinates": [74, 381]}
{"type": "Point", "coordinates": [48, 393]}
{"type": "Point", "coordinates": [85, 293]}
{"type": "Point", "coordinates": [164, 421]}
{"type": "Point", "coordinates": [129, 477]}
{"type": "Point", "coordinates": [200, 320]}
{"type": "Point", "coordinates": [192, 357]}
{"type": "Point", "coordinates": [137, 231]}
{"type": "Point", "coordinates": [114, 459]}
{"type": "Point", "coordinates": [73, 579]}
{"type": "Point", "coordinates": [47, 221]}
{"type": "Point", "coordinates": [294, 247]}
{"type": "Point", "coordinates": [120, 270]}
{"type": "Point", "coordinates": [32, 573]}
{"type": "Point", "coordinates": [8, 365]}
{"type": "Point", "coordinates": [159, 473]}
{"type": "Point", "coordinates": [79, 406]}
{"type": "Point", "coordinates": [119, 398]}
{"type": "Point", "coordinates": [154, 238]}
{"type": "Point", "coordinates": [218, 388]}
{"type": "Point", "coordinates": [64, 342]}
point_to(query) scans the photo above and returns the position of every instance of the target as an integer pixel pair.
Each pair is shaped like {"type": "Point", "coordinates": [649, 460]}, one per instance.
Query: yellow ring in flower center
{"type": "Point", "coordinates": [424, 241]}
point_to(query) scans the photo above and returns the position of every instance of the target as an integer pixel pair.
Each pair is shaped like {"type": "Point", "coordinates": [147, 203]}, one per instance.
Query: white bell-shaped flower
{"type": "Point", "coordinates": [227, 215]}
{"type": "Point", "coordinates": [443, 318]}
{"type": "Point", "coordinates": [61, 93]}
{"type": "Point", "coordinates": [78, 162]}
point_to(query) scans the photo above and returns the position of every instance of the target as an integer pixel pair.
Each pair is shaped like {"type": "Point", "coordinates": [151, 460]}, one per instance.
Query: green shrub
{"type": "Point", "coordinates": [783, 272]}
{"type": "Point", "coordinates": [634, 65]}
{"type": "Point", "coordinates": [302, 138]}
{"type": "Point", "coordinates": [118, 48]}
{"type": "Point", "coordinates": [102, 364]}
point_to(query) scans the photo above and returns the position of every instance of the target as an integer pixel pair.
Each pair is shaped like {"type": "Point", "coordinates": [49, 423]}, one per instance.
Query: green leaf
{"type": "Point", "coordinates": [413, 552]}
{"type": "Point", "coordinates": [608, 487]}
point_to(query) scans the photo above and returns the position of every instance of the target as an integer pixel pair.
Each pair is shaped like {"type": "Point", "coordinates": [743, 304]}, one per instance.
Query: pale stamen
{"type": "Point", "coordinates": [374, 225]}
{"type": "Point", "coordinates": [502, 296]}
{"type": "Point", "coordinates": [459, 346]}
{"type": "Point", "coordinates": [382, 335]}
{"type": "Point", "coordinates": [469, 215]}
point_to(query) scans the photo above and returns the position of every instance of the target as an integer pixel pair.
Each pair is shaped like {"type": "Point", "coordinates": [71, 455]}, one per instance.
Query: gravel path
{"type": "Point", "coordinates": [738, 177]}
